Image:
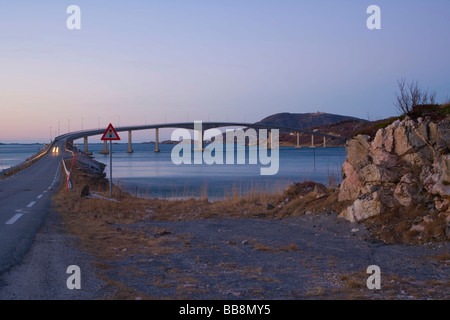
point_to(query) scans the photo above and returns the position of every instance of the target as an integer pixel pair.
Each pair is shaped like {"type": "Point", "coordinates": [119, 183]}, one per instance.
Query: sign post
{"type": "Point", "coordinates": [110, 135]}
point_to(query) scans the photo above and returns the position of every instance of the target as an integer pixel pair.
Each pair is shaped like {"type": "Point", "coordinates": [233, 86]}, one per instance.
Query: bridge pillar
{"type": "Point", "coordinates": [199, 140]}
{"type": "Point", "coordinates": [298, 141]}
{"type": "Point", "coordinates": [324, 142]}
{"type": "Point", "coordinates": [86, 146]}
{"type": "Point", "coordinates": [312, 141]}
{"type": "Point", "coordinates": [156, 140]}
{"type": "Point", "coordinates": [130, 149]}
{"type": "Point", "coordinates": [105, 148]}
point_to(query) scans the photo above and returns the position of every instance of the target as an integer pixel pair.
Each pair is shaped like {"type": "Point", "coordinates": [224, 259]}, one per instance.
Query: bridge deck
{"type": "Point", "coordinates": [190, 125]}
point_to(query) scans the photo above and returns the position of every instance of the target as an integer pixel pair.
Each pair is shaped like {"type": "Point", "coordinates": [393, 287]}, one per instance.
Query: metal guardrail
{"type": "Point", "coordinates": [69, 183]}
{"type": "Point", "coordinates": [68, 173]}
{"type": "Point", "coordinates": [67, 150]}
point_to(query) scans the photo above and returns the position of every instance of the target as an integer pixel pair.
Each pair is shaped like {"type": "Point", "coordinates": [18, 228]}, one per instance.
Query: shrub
{"type": "Point", "coordinates": [411, 95]}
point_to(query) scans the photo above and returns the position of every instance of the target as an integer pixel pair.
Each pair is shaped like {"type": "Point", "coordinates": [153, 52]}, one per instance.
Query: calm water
{"type": "Point", "coordinates": [147, 173]}
{"type": "Point", "coordinates": [13, 154]}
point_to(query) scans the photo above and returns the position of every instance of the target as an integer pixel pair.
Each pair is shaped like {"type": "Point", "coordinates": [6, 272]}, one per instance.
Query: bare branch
{"type": "Point", "coordinates": [432, 97]}
{"type": "Point", "coordinates": [411, 95]}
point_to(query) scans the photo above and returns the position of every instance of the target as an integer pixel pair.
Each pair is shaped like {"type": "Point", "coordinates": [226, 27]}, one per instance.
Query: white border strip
{"type": "Point", "coordinates": [67, 173]}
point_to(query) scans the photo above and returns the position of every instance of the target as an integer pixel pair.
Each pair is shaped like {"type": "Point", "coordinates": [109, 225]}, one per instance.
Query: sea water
{"type": "Point", "coordinates": [14, 154]}
{"type": "Point", "coordinates": [147, 173]}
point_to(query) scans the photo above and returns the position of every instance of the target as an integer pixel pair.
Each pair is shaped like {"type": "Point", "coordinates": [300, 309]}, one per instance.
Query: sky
{"type": "Point", "coordinates": [145, 62]}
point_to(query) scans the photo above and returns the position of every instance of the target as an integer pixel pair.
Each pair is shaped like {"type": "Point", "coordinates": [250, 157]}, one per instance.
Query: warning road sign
{"type": "Point", "coordinates": [110, 133]}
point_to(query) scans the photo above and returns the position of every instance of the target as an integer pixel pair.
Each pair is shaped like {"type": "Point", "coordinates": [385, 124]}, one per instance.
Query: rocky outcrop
{"type": "Point", "coordinates": [406, 163]}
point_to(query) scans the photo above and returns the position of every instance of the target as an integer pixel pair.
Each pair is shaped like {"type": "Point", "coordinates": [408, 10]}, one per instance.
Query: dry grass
{"type": "Point", "coordinates": [443, 257]}
{"type": "Point", "coordinates": [124, 292]}
{"type": "Point", "coordinates": [129, 209]}
{"type": "Point", "coordinates": [102, 227]}
{"type": "Point", "coordinates": [316, 292]}
{"type": "Point", "coordinates": [394, 225]}
{"type": "Point", "coordinates": [263, 247]}
{"type": "Point", "coordinates": [393, 287]}
{"type": "Point", "coordinates": [353, 281]}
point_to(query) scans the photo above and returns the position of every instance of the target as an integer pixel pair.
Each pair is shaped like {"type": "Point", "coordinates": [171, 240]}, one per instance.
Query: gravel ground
{"type": "Point", "coordinates": [42, 273]}
{"type": "Point", "coordinates": [308, 257]}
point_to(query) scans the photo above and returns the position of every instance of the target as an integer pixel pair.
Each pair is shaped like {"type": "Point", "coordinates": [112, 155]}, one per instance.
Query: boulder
{"type": "Point", "coordinates": [351, 185]}
{"type": "Point", "coordinates": [384, 158]}
{"type": "Point", "coordinates": [405, 194]}
{"type": "Point", "coordinates": [383, 173]}
{"type": "Point", "coordinates": [85, 191]}
{"type": "Point", "coordinates": [376, 175]}
{"type": "Point", "coordinates": [443, 133]}
{"type": "Point", "coordinates": [442, 204]}
{"type": "Point", "coordinates": [415, 139]}
{"type": "Point", "coordinates": [378, 141]}
{"type": "Point", "coordinates": [423, 130]}
{"type": "Point", "coordinates": [445, 166]}
{"type": "Point", "coordinates": [363, 208]}
{"type": "Point", "coordinates": [357, 151]}
{"type": "Point", "coordinates": [388, 139]}
{"type": "Point", "coordinates": [417, 228]}
{"type": "Point", "coordinates": [408, 178]}
{"type": "Point", "coordinates": [441, 189]}
{"type": "Point", "coordinates": [401, 145]}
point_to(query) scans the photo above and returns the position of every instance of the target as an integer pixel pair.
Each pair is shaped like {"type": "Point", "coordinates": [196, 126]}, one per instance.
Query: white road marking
{"type": "Point", "coordinates": [39, 196]}
{"type": "Point", "coordinates": [32, 203]}
{"type": "Point", "coordinates": [14, 218]}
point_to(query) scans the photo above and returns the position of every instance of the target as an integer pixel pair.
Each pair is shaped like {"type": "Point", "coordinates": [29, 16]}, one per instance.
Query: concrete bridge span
{"type": "Point", "coordinates": [71, 136]}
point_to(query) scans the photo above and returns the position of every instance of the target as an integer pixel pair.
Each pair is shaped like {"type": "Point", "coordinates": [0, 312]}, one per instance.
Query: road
{"type": "Point", "coordinates": [24, 203]}
{"type": "Point", "coordinates": [35, 251]}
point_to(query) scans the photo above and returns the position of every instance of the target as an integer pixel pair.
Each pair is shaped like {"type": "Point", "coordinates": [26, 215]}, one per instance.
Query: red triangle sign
{"type": "Point", "coordinates": [110, 133]}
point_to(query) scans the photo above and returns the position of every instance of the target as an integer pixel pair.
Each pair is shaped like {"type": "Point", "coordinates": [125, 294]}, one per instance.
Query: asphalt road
{"type": "Point", "coordinates": [24, 203]}
{"type": "Point", "coordinates": [35, 251]}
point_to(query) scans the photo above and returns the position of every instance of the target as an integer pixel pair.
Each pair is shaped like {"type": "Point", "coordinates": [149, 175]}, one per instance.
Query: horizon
{"type": "Point", "coordinates": [96, 137]}
{"type": "Point", "coordinates": [140, 63]}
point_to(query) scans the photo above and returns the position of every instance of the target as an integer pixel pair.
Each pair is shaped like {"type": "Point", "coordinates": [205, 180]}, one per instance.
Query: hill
{"type": "Point", "coordinates": [334, 124]}
{"type": "Point", "coordinates": [304, 120]}
{"type": "Point", "coordinates": [345, 128]}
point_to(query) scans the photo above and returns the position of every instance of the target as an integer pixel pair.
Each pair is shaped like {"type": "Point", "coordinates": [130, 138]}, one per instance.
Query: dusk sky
{"type": "Point", "coordinates": [136, 62]}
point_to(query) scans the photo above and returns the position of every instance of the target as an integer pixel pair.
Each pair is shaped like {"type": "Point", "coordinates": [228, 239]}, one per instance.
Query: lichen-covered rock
{"type": "Point", "coordinates": [351, 185]}
{"type": "Point", "coordinates": [357, 154]}
{"type": "Point", "coordinates": [406, 162]}
{"type": "Point", "coordinates": [363, 208]}
{"type": "Point", "coordinates": [445, 165]}
{"type": "Point", "coordinates": [405, 194]}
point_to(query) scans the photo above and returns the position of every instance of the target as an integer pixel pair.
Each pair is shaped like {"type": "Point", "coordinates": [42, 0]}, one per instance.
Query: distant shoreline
{"type": "Point", "coordinates": [282, 144]}
{"type": "Point", "coordinates": [20, 144]}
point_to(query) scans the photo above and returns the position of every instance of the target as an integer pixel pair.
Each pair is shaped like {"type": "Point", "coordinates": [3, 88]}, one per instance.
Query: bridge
{"type": "Point", "coordinates": [25, 191]}
{"type": "Point", "coordinates": [71, 136]}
